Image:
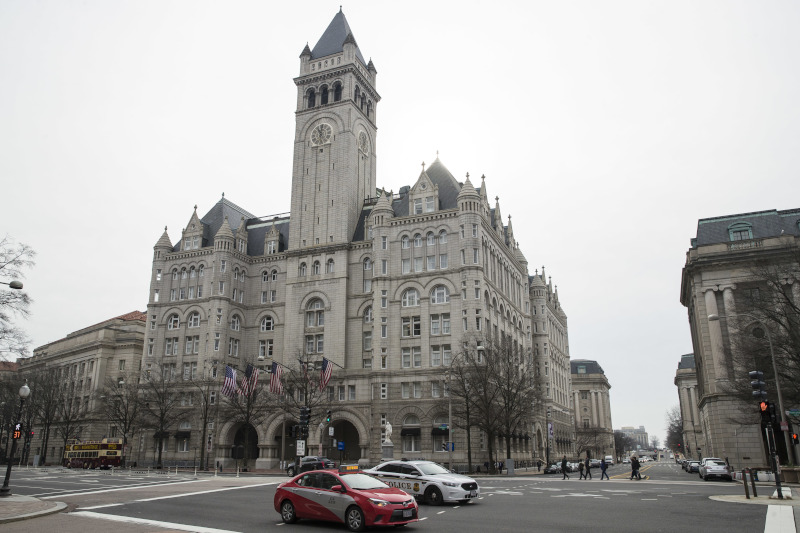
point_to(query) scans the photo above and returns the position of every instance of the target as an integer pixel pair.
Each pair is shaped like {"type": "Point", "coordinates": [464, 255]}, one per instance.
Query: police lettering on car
{"type": "Point", "coordinates": [427, 481]}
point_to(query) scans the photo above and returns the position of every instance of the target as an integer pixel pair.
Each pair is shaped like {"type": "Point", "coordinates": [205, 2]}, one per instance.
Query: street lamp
{"type": "Point", "coordinates": [24, 392]}
{"type": "Point", "coordinates": [449, 422]}
{"type": "Point", "coordinates": [13, 284]}
{"type": "Point", "coordinates": [714, 318]}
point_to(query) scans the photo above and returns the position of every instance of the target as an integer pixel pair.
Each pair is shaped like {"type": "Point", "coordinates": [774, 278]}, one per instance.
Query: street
{"type": "Point", "coordinates": [669, 500]}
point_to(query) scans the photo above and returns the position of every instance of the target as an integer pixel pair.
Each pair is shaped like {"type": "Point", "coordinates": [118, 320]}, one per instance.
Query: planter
{"type": "Point", "coordinates": [790, 474]}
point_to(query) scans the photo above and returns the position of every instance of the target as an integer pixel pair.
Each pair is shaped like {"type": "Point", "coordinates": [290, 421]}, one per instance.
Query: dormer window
{"type": "Point", "coordinates": [417, 206]}
{"type": "Point", "coordinates": [740, 231]}
{"type": "Point", "coordinates": [429, 204]}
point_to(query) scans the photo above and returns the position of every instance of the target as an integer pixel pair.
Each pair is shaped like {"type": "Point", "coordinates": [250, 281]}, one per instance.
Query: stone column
{"type": "Point", "coordinates": [593, 399]}
{"type": "Point", "coordinates": [601, 416]}
{"type": "Point", "coordinates": [715, 336]}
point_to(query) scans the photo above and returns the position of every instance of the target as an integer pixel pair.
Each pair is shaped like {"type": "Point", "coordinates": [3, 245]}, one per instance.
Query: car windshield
{"type": "Point", "coordinates": [717, 463]}
{"type": "Point", "coordinates": [363, 482]}
{"type": "Point", "coordinates": [430, 469]}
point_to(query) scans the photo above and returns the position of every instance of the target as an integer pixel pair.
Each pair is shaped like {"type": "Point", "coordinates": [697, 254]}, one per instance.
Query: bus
{"type": "Point", "coordinates": [104, 453]}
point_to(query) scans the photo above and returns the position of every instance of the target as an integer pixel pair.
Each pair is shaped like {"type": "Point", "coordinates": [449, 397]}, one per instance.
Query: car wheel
{"type": "Point", "coordinates": [354, 518]}
{"type": "Point", "coordinates": [290, 471]}
{"type": "Point", "coordinates": [288, 513]}
{"type": "Point", "coordinates": [433, 496]}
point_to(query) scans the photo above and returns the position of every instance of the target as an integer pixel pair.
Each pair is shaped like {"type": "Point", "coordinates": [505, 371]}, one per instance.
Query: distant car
{"type": "Point", "coordinates": [347, 496]}
{"type": "Point", "coordinates": [553, 469]}
{"type": "Point", "coordinates": [714, 468]}
{"type": "Point", "coordinates": [311, 462]}
{"type": "Point", "coordinates": [427, 481]}
{"type": "Point", "coordinates": [693, 466]}
{"type": "Point", "coordinates": [594, 463]}
{"type": "Point", "coordinates": [609, 460]}
{"type": "Point", "coordinates": [626, 460]}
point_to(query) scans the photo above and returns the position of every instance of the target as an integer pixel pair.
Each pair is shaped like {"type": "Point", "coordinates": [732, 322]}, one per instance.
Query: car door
{"type": "Point", "coordinates": [413, 481]}
{"type": "Point", "coordinates": [335, 502]}
{"type": "Point", "coordinates": [303, 496]}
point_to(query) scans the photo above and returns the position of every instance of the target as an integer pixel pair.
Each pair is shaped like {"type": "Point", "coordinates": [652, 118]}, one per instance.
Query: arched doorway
{"type": "Point", "coordinates": [245, 446]}
{"type": "Point", "coordinates": [343, 446]}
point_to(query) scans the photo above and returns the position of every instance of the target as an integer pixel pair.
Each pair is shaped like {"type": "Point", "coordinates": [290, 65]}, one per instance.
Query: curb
{"type": "Point", "coordinates": [24, 505]}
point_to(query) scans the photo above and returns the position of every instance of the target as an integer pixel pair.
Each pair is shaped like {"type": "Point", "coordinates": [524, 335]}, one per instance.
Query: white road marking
{"type": "Point", "coordinates": [131, 487]}
{"type": "Point", "coordinates": [206, 492]}
{"type": "Point", "coordinates": [780, 519]}
{"type": "Point", "coordinates": [102, 506]}
{"type": "Point", "coordinates": [155, 523]}
{"type": "Point", "coordinates": [441, 512]}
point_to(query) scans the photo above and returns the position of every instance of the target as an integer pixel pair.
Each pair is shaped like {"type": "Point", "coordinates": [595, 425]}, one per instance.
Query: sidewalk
{"type": "Point", "coordinates": [13, 508]}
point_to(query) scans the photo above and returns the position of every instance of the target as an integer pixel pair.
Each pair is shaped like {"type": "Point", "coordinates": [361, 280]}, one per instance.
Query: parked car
{"type": "Point", "coordinates": [609, 460]}
{"type": "Point", "coordinates": [311, 462]}
{"type": "Point", "coordinates": [626, 460]}
{"type": "Point", "coordinates": [554, 468]}
{"type": "Point", "coordinates": [594, 463]}
{"type": "Point", "coordinates": [693, 466]}
{"type": "Point", "coordinates": [714, 468]}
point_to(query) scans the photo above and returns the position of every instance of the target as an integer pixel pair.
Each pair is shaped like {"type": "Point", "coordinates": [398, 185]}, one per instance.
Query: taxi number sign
{"type": "Point", "coordinates": [301, 447]}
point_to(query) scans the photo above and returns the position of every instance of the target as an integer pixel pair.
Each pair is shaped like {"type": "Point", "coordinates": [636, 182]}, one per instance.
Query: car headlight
{"type": "Point", "coordinates": [449, 484]}
{"type": "Point", "coordinates": [378, 503]}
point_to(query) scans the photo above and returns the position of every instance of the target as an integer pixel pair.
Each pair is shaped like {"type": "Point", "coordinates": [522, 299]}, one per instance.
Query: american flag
{"type": "Point", "coordinates": [229, 387]}
{"type": "Point", "coordinates": [250, 380]}
{"type": "Point", "coordinates": [275, 385]}
{"type": "Point", "coordinates": [325, 373]}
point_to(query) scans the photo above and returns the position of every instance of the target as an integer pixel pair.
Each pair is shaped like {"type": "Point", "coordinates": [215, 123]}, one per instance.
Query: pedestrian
{"type": "Point", "coordinates": [635, 468]}
{"type": "Point", "coordinates": [564, 467]}
{"type": "Point", "coordinates": [580, 470]}
{"type": "Point", "coordinates": [588, 466]}
{"type": "Point", "coordinates": [603, 468]}
{"type": "Point", "coordinates": [539, 465]}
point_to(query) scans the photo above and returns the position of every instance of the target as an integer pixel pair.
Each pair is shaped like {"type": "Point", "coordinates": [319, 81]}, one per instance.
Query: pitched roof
{"type": "Point", "coordinates": [215, 217]}
{"type": "Point", "coordinates": [333, 38]}
{"type": "Point", "coordinates": [687, 361]}
{"type": "Point", "coordinates": [762, 223]}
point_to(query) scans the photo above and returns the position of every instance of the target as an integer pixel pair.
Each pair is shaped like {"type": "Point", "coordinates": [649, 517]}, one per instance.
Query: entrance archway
{"type": "Point", "coordinates": [345, 435]}
{"type": "Point", "coordinates": [245, 445]}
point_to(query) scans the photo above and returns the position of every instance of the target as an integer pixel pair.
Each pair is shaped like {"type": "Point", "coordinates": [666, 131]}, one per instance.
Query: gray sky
{"type": "Point", "coordinates": [606, 128]}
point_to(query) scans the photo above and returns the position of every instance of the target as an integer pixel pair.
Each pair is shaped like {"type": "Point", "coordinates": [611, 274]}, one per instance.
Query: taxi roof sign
{"type": "Point", "coordinates": [349, 469]}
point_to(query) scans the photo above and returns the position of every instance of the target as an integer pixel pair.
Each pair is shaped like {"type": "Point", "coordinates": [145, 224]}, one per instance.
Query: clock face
{"type": "Point", "coordinates": [321, 135]}
{"type": "Point", "coordinates": [363, 143]}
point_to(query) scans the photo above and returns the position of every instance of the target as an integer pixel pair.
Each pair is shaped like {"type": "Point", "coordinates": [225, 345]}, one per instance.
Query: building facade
{"type": "Point", "coordinates": [718, 281]}
{"type": "Point", "coordinates": [590, 390]}
{"type": "Point", "coordinates": [693, 442]}
{"type": "Point", "coordinates": [86, 361]}
{"type": "Point", "coordinates": [638, 435]}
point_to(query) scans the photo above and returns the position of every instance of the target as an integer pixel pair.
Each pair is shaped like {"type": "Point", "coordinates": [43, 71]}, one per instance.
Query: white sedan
{"type": "Point", "coordinates": [427, 481]}
{"type": "Point", "coordinates": [714, 468]}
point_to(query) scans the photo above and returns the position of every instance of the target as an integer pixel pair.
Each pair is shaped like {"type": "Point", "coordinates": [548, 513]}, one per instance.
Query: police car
{"type": "Point", "coordinates": [345, 496]}
{"type": "Point", "coordinates": [427, 481]}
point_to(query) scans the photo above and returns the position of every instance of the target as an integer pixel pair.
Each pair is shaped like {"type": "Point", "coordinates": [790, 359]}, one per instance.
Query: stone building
{"type": "Point", "coordinates": [86, 360]}
{"type": "Point", "coordinates": [692, 442]}
{"type": "Point", "coordinates": [639, 436]}
{"type": "Point", "coordinates": [590, 386]}
{"type": "Point", "coordinates": [718, 280]}
{"type": "Point", "coordinates": [388, 286]}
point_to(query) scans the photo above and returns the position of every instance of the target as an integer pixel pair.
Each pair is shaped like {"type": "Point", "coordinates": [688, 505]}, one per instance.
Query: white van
{"type": "Point", "coordinates": [609, 459]}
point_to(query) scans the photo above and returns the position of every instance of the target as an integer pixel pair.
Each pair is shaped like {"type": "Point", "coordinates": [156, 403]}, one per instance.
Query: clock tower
{"type": "Point", "coordinates": [334, 145]}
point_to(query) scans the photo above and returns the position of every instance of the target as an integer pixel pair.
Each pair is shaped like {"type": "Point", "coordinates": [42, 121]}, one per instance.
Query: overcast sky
{"type": "Point", "coordinates": [606, 128]}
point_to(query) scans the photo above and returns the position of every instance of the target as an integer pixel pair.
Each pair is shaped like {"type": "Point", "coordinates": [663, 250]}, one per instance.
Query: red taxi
{"type": "Point", "coordinates": [346, 496]}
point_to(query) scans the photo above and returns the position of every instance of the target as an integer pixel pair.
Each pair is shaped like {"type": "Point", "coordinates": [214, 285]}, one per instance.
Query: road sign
{"type": "Point", "coordinates": [330, 431]}
{"type": "Point", "coordinates": [784, 425]}
{"type": "Point", "coordinates": [443, 426]}
{"type": "Point", "coordinates": [300, 447]}
{"type": "Point", "coordinates": [340, 445]}
{"type": "Point", "coordinates": [793, 412]}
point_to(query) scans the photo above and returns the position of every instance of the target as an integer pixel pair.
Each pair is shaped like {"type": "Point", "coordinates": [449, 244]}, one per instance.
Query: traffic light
{"type": "Point", "coordinates": [328, 417]}
{"type": "Point", "coordinates": [305, 416]}
{"type": "Point", "coordinates": [757, 383]}
{"type": "Point", "coordinates": [293, 432]}
{"type": "Point", "coordinates": [794, 438]}
{"type": "Point", "coordinates": [303, 432]}
{"type": "Point", "coordinates": [764, 409]}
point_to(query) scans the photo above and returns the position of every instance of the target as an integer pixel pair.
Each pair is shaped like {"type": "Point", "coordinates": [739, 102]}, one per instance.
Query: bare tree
{"type": "Point", "coordinates": [47, 396]}
{"type": "Point", "coordinates": [589, 440]}
{"type": "Point", "coordinates": [121, 405]}
{"type": "Point", "coordinates": [623, 443]}
{"type": "Point", "coordinates": [159, 402]}
{"type": "Point", "coordinates": [15, 258]}
{"type": "Point", "coordinates": [674, 428]}
{"type": "Point", "coordinates": [655, 442]}
{"type": "Point", "coordinates": [71, 415]}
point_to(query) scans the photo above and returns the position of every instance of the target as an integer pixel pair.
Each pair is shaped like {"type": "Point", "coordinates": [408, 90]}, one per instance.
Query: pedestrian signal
{"type": "Point", "coordinates": [794, 438]}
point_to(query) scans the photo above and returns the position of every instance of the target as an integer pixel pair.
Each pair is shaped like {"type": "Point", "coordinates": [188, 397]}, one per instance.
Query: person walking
{"type": "Point", "coordinates": [539, 465]}
{"type": "Point", "coordinates": [564, 467]}
{"type": "Point", "coordinates": [603, 468]}
{"type": "Point", "coordinates": [580, 470]}
{"type": "Point", "coordinates": [635, 468]}
{"type": "Point", "coordinates": [588, 468]}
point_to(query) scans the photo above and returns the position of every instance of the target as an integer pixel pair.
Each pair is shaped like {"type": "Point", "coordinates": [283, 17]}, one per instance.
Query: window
{"type": "Point", "coordinates": [384, 266]}
{"type": "Point", "coordinates": [478, 290]}
{"type": "Point", "coordinates": [122, 364]}
{"type": "Point", "coordinates": [417, 264]}
{"type": "Point", "coordinates": [440, 324]}
{"type": "Point", "coordinates": [192, 344]}
{"type": "Point", "coordinates": [302, 269]}
{"type": "Point", "coordinates": [233, 347]}
{"type": "Point", "coordinates": [367, 285]}
{"type": "Point", "coordinates": [384, 243]}
{"type": "Point", "coordinates": [158, 274]}
{"type": "Point", "coordinates": [584, 395]}
{"type": "Point", "coordinates": [155, 295]}
{"type": "Point", "coordinates": [429, 204]}
{"type": "Point", "coordinates": [274, 275]}
{"type": "Point", "coordinates": [264, 276]}
{"type": "Point", "coordinates": [329, 266]}
{"type": "Point", "coordinates": [222, 287]}
{"type": "Point", "coordinates": [212, 398]}
{"type": "Point", "coordinates": [431, 262]}
{"type": "Point", "coordinates": [368, 315]}
{"type": "Point", "coordinates": [367, 264]}
{"type": "Point", "coordinates": [440, 295]}
{"type": "Point", "coordinates": [174, 273]}
{"type": "Point", "coordinates": [474, 230]}
{"type": "Point", "coordinates": [315, 268]}
{"type": "Point", "coordinates": [417, 206]}
{"type": "Point", "coordinates": [436, 390]}
{"type": "Point", "coordinates": [404, 243]}
{"type": "Point", "coordinates": [443, 237]}
{"type": "Point", "coordinates": [446, 353]}
{"type": "Point", "coordinates": [442, 261]}
{"type": "Point", "coordinates": [267, 324]}
{"type": "Point", "coordinates": [235, 323]}
{"type": "Point", "coordinates": [200, 270]}
{"type": "Point", "coordinates": [475, 256]}
{"type": "Point", "coordinates": [273, 296]}
{"type": "Point", "coordinates": [263, 297]}
{"type": "Point", "coordinates": [740, 231]}
{"type": "Point", "coordinates": [172, 294]}
{"type": "Point", "coordinates": [150, 345]}
{"type": "Point", "coordinates": [194, 320]}
{"type": "Point", "coordinates": [340, 391]}
{"type": "Point", "coordinates": [430, 238]}
{"type": "Point", "coordinates": [411, 326]}
{"type": "Point", "coordinates": [367, 340]}
{"type": "Point", "coordinates": [384, 327]}
{"type": "Point", "coordinates": [436, 356]}
{"type": "Point", "coordinates": [216, 341]}
{"type": "Point", "coordinates": [183, 273]}
{"type": "Point", "coordinates": [384, 299]}
{"type": "Point", "coordinates": [351, 392]}
{"type": "Point", "coordinates": [417, 240]}
{"type": "Point", "coordinates": [405, 265]}
{"type": "Point", "coordinates": [315, 314]}
{"type": "Point", "coordinates": [222, 265]}
{"type": "Point", "coordinates": [410, 298]}
{"type": "Point", "coordinates": [174, 322]}
{"type": "Point", "coordinates": [265, 348]}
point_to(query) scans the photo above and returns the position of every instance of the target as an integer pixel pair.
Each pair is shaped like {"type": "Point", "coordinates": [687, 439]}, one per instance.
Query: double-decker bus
{"type": "Point", "coordinates": [103, 453]}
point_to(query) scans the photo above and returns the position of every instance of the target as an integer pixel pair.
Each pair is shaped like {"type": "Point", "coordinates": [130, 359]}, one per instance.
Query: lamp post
{"type": "Point", "coordinates": [449, 422]}
{"type": "Point", "coordinates": [24, 392]}
{"type": "Point", "coordinates": [713, 318]}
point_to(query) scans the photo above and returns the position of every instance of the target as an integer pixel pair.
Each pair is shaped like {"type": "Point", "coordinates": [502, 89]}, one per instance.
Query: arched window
{"type": "Point", "coordinates": [363, 101]}
{"type": "Point", "coordinates": [410, 433]}
{"type": "Point", "coordinates": [369, 108]}
{"type": "Point", "coordinates": [329, 266]}
{"type": "Point", "coordinates": [200, 270]}
{"type": "Point", "coordinates": [315, 268]}
{"type": "Point", "coordinates": [323, 97]}
{"type": "Point", "coordinates": [267, 324]}
{"type": "Point", "coordinates": [337, 91]}
{"type": "Point", "coordinates": [274, 275]}
{"type": "Point", "coordinates": [173, 322]}
{"type": "Point", "coordinates": [443, 237]}
{"type": "Point", "coordinates": [411, 420]}
{"type": "Point", "coordinates": [192, 273]}
{"type": "Point", "coordinates": [404, 242]}
{"type": "Point", "coordinates": [312, 98]}
{"type": "Point", "coordinates": [357, 95]}
{"type": "Point", "coordinates": [174, 273]}
{"type": "Point", "coordinates": [315, 313]}
{"type": "Point", "coordinates": [417, 240]}
{"type": "Point", "coordinates": [183, 273]}
{"type": "Point", "coordinates": [368, 315]}
{"type": "Point", "coordinates": [194, 320]}
{"type": "Point", "coordinates": [302, 269]}
{"type": "Point", "coordinates": [265, 276]}
{"type": "Point", "coordinates": [235, 274]}
{"type": "Point", "coordinates": [431, 238]}
{"type": "Point", "coordinates": [235, 323]}
{"type": "Point", "coordinates": [367, 264]}
{"type": "Point", "coordinates": [410, 298]}
{"type": "Point", "coordinates": [440, 295]}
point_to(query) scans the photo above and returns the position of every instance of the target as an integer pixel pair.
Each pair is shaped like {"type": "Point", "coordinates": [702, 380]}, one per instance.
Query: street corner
{"type": "Point", "coordinates": [17, 507]}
